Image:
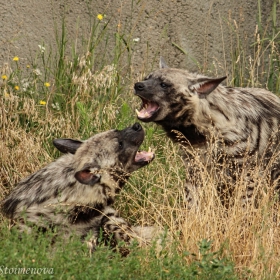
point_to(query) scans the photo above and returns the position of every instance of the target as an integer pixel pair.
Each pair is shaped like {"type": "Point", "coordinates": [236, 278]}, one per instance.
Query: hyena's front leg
{"type": "Point", "coordinates": [112, 227]}
{"type": "Point", "coordinates": [116, 229]}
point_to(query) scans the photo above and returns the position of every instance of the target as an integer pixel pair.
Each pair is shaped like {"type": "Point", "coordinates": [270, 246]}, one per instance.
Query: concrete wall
{"type": "Point", "coordinates": [205, 30]}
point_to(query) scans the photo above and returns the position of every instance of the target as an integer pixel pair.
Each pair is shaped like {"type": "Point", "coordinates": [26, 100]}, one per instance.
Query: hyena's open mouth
{"type": "Point", "coordinates": [143, 157]}
{"type": "Point", "coordinates": [131, 139]}
{"type": "Point", "coordinates": [148, 110]}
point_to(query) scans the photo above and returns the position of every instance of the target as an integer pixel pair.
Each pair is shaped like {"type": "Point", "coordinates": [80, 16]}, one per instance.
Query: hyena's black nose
{"type": "Point", "coordinates": [139, 86]}
{"type": "Point", "coordinates": [137, 127]}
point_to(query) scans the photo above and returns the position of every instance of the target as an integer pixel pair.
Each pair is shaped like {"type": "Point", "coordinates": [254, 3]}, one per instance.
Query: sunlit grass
{"type": "Point", "coordinates": [68, 92]}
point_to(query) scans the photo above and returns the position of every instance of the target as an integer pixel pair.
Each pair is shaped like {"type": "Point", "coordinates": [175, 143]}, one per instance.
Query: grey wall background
{"type": "Point", "coordinates": [205, 30]}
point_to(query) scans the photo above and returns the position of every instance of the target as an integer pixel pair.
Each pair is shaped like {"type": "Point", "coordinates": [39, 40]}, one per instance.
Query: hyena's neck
{"type": "Point", "coordinates": [187, 134]}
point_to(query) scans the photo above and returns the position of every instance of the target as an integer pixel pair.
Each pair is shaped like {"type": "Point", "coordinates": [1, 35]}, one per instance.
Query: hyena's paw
{"type": "Point", "coordinates": [116, 229]}
{"type": "Point", "coordinates": [91, 244]}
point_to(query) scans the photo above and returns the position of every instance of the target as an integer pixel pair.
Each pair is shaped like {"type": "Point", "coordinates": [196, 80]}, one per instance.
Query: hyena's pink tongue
{"type": "Point", "coordinates": [149, 108]}
{"type": "Point", "coordinates": [144, 156]}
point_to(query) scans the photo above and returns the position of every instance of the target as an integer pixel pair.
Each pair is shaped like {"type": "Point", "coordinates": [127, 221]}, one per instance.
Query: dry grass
{"type": "Point", "coordinates": [250, 236]}
{"type": "Point", "coordinates": [154, 195]}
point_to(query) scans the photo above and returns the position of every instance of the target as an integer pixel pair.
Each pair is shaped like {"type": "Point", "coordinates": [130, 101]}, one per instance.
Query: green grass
{"type": "Point", "coordinates": [256, 64]}
{"type": "Point", "coordinates": [75, 90]}
{"type": "Point", "coordinates": [72, 260]}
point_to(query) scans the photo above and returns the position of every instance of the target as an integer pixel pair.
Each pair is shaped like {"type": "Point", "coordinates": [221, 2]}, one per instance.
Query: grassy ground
{"type": "Point", "coordinates": [70, 95]}
{"type": "Point", "coordinates": [72, 261]}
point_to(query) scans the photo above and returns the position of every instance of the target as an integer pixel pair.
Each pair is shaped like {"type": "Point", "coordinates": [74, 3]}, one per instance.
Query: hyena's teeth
{"type": "Point", "coordinates": [147, 114]}
{"type": "Point", "coordinates": [150, 150]}
{"type": "Point", "coordinates": [150, 158]}
{"type": "Point", "coordinates": [137, 112]}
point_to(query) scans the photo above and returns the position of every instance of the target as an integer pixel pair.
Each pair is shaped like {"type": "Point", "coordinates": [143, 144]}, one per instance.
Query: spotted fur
{"type": "Point", "coordinates": [76, 192]}
{"type": "Point", "coordinates": [194, 109]}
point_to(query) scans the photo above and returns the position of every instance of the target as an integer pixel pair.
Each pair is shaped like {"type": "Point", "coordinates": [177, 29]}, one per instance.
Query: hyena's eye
{"type": "Point", "coordinates": [163, 85]}
{"type": "Point", "coordinates": [120, 144]}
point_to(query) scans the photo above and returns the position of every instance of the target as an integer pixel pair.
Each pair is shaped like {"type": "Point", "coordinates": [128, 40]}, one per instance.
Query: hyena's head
{"type": "Point", "coordinates": [111, 150]}
{"type": "Point", "coordinates": [171, 94]}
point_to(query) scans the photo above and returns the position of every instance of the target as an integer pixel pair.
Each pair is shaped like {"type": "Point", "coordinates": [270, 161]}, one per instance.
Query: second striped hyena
{"type": "Point", "coordinates": [194, 109]}
{"type": "Point", "coordinates": [75, 193]}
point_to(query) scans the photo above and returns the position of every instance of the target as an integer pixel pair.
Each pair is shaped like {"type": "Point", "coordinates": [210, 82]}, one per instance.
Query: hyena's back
{"type": "Point", "coordinates": [246, 120]}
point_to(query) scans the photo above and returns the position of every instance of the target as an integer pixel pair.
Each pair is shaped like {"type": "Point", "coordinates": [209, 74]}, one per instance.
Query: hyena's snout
{"type": "Point", "coordinates": [150, 107]}
{"type": "Point", "coordinates": [132, 138]}
{"type": "Point", "coordinates": [135, 131]}
{"type": "Point", "coordinates": [134, 134]}
{"type": "Point", "coordinates": [139, 86]}
{"type": "Point", "coordinates": [137, 127]}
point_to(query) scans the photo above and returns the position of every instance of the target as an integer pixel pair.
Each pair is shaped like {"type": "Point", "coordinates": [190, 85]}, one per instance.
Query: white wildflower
{"type": "Point", "coordinates": [37, 72]}
{"type": "Point", "coordinates": [25, 84]}
{"type": "Point", "coordinates": [56, 106]}
{"type": "Point", "coordinates": [42, 48]}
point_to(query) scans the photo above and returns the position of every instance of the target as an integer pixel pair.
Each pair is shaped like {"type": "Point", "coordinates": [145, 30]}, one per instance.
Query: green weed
{"type": "Point", "coordinates": [78, 88]}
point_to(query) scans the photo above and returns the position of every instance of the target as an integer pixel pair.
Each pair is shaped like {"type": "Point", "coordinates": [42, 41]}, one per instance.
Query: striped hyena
{"type": "Point", "coordinates": [76, 192]}
{"type": "Point", "coordinates": [243, 121]}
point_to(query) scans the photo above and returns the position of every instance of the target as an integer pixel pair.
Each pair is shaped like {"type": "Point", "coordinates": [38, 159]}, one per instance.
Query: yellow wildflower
{"type": "Point", "coordinates": [16, 87]}
{"type": "Point", "coordinates": [27, 66]}
{"type": "Point", "coordinates": [42, 102]}
{"type": "Point", "coordinates": [4, 77]}
{"type": "Point", "coordinates": [47, 84]}
{"type": "Point", "coordinates": [100, 17]}
{"type": "Point", "coordinates": [16, 58]}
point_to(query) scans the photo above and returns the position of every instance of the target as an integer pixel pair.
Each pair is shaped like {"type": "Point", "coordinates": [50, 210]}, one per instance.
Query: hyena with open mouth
{"type": "Point", "coordinates": [76, 192]}
{"type": "Point", "coordinates": [243, 121]}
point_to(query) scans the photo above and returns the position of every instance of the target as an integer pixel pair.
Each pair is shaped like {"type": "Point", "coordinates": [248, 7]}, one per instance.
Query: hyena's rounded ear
{"type": "Point", "coordinates": [88, 175]}
{"type": "Point", "coordinates": [204, 86]}
{"type": "Point", "coordinates": [65, 145]}
{"type": "Point", "coordinates": [162, 63]}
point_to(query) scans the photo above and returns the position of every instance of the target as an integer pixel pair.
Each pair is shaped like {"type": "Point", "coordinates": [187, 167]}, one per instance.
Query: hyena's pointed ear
{"type": "Point", "coordinates": [162, 63]}
{"type": "Point", "coordinates": [65, 145]}
{"type": "Point", "coordinates": [88, 175]}
{"type": "Point", "coordinates": [204, 86]}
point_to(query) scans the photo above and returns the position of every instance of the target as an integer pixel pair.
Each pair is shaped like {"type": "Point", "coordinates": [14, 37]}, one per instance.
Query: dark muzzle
{"type": "Point", "coordinates": [139, 86]}
{"type": "Point", "coordinates": [137, 127]}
